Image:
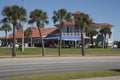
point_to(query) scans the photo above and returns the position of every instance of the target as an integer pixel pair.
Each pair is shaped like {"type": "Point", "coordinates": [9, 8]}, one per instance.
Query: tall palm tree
{"type": "Point", "coordinates": [105, 31]}
{"type": "Point", "coordinates": [60, 17]}
{"type": "Point", "coordinates": [28, 33]}
{"type": "Point", "coordinates": [6, 28]}
{"type": "Point", "coordinates": [14, 14]}
{"type": "Point", "coordinates": [82, 21]}
{"type": "Point", "coordinates": [40, 18]}
{"type": "Point", "coordinates": [91, 33]}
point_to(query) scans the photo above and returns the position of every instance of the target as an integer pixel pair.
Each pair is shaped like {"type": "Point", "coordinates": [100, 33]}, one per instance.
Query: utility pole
{"type": "Point", "coordinates": [22, 30]}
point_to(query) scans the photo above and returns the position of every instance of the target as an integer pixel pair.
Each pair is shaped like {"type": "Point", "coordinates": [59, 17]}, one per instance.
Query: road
{"type": "Point", "coordinates": [12, 67]}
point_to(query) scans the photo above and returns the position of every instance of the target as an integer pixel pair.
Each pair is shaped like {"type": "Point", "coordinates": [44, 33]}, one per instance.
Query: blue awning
{"type": "Point", "coordinates": [47, 38]}
{"type": "Point", "coordinates": [71, 38]}
{"type": "Point", "coordinates": [65, 38]}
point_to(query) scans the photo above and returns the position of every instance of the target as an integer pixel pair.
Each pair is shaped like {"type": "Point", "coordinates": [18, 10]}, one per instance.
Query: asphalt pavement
{"type": "Point", "coordinates": [12, 67]}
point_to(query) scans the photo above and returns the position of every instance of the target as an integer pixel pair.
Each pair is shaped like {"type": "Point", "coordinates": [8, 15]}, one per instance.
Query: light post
{"type": "Point", "coordinates": [22, 30]}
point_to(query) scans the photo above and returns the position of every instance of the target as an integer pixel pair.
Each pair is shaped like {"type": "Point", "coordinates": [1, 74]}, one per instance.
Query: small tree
{"type": "Point", "coordinates": [105, 31]}
{"type": "Point", "coordinates": [6, 28]}
{"type": "Point", "coordinates": [40, 18]}
{"type": "Point", "coordinates": [28, 33]}
{"type": "Point", "coordinates": [91, 33]}
{"type": "Point", "coordinates": [14, 14]}
{"type": "Point", "coordinates": [59, 17]}
{"type": "Point", "coordinates": [82, 21]}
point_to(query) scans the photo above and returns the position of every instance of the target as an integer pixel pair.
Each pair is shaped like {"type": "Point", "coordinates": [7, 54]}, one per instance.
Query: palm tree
{"type": "Point", "coordinates": [28, 33]}
{"type": "Point", "coordinates": [40, 18]}
{"type": "Point", "coordinates": [105, 31]}
{"type": "Point", "coordinates": [14, 14]}
{"type": "Point", "coordinates": [91, 33]}
{"type": "Point", "coordinates": [82, 21]}
{"type": "Point", "coordinates": [59, 17]}
{"type": "Point", "coordinates": [6, 28]}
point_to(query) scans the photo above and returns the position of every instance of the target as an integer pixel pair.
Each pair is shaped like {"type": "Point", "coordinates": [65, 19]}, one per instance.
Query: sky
{"type": "Point", "coordinates": [100, 11]}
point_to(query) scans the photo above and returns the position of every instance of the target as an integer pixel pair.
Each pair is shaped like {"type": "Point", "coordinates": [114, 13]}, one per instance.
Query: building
{"type": "Point", "coordinates": [70, 35]}
{"type": "Point", "coordinates": [35, 36]}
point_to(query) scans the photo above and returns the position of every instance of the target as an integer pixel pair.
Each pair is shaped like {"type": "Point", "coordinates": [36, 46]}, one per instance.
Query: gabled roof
{"type": "Point", "coordinates": [45, 32]}
{"type": "Point", "coordinates": [101, 25]}
{"type": "Point", "coordinates": [72, 23]}
{"type": "Point", "coordinates": [77, 13]}
{"type": "Point", "coordinates": [18, 35]}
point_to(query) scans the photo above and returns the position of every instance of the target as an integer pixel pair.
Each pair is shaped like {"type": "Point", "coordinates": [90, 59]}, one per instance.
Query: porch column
{"type": "Point", "coordinates": [64, 44]}
{"type": "Point", "coordinates": [75, 44]}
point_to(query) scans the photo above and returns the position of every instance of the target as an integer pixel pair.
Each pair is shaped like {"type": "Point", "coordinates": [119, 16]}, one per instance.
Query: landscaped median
{"type": "Point", "coordinates": [70, 75]}
{"type": "Point", "coordinates": [64, 52]}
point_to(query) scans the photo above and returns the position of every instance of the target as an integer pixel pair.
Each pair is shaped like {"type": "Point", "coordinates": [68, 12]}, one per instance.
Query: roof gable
{"type": "Point", "coordinates": [101, 25]}
{"type": "Point", "coordinates": [45, 32]}
{"type": "Point", "coordinates": [72, 22]}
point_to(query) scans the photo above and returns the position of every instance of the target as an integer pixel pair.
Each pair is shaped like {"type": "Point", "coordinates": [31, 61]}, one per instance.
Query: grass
{"type": "Point", "coordinates": [70, 75]}
{"type": "Point", "coordinates": [64, 52]}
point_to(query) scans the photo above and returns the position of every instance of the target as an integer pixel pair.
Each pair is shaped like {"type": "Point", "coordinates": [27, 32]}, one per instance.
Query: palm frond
{"type": "Point", "coordinates": [6, 27]}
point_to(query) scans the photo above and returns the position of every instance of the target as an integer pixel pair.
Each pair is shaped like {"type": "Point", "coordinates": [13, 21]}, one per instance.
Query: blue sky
{"type": "Point", "coordinates": [101, 11]}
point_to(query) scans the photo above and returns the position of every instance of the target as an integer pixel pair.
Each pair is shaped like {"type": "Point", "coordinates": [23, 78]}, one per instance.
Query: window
{"type": "Point", "coordinates": [76, 30]}
{"type": "Point", "coordinates": [67, 29]}
{"type": "Point", "coordinates": [71, 29]}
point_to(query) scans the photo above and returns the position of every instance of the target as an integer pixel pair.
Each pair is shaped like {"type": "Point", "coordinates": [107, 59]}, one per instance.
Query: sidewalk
{"type": "Point", "coordinates": [102, 78]}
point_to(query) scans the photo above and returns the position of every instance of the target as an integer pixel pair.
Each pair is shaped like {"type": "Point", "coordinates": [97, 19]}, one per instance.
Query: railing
{"type": "Point", "coordinates": [71, 34]}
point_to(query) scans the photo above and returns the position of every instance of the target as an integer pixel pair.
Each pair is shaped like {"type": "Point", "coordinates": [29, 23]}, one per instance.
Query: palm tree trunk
{"type": "Point", "coordinates": [92, 40]}
{"type": "Point", "coordinates": [105, 46]}
{"type": "Point", "coordinates": [5, 38]}
{"type": "Point", "coordinates": [31, 38]}
{"type": "Point", "coordinates": [60, 42]}
{"type": "Point", "coordinates": [28, 41]}
{"type": "Point", "coordinates": [43, 48]}
{"type": "Point", "coordinates": [31, 41]}
{"type": "Point", "coordinates": [14, 42]}
{"type": "Point", "coordinates": [82, 40]}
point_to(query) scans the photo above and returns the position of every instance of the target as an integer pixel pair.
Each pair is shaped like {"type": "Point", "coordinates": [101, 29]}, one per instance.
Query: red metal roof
{"type": "Point", "coordinates": [44, 31]}
{"type": "Point", "coordinates": [77, 13]}
{"type": "Point", "coordinates": [101, 25]}
{"type": "Point", "coordinates": [72, 23]}
{"type": "Point", "coordinates": [18, 35]}
{"type": "Point", "coordinates": [69, 23]}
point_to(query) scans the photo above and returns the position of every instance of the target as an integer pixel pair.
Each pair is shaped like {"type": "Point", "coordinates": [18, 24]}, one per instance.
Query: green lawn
{"type": "Point", "coordinates": [70, 75]}
{"type": "Point", "coordinates": [64, 52]}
